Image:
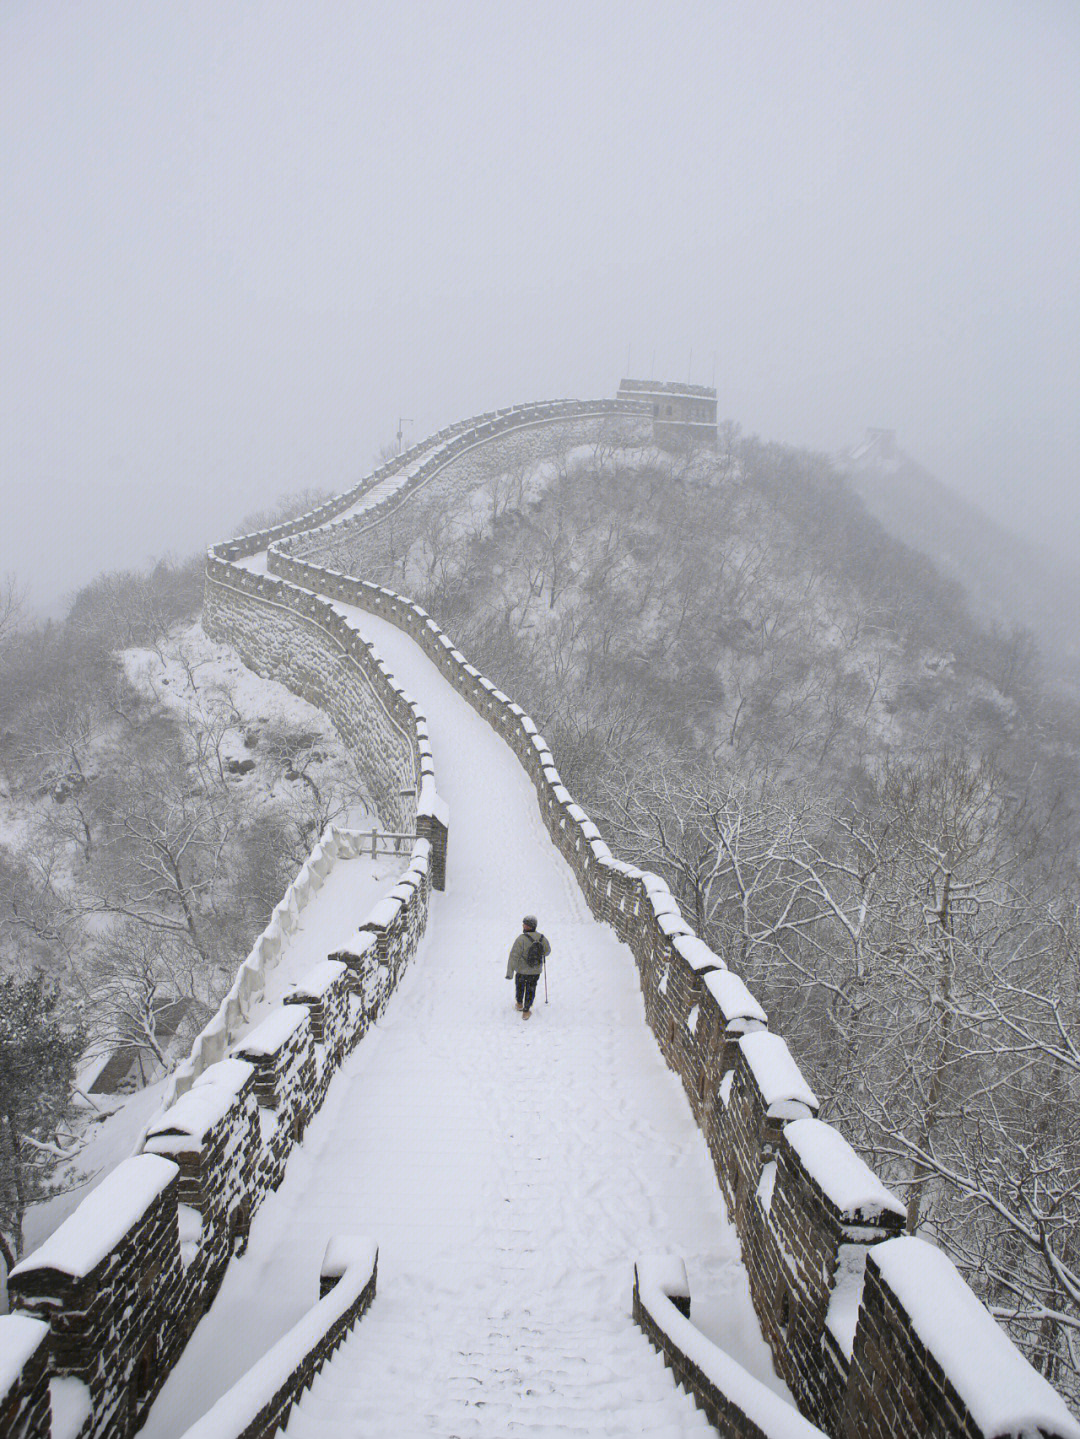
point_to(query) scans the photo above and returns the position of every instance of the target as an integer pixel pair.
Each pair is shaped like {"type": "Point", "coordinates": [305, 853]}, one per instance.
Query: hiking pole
{"type": "Point", "coordinates": [545, 982]}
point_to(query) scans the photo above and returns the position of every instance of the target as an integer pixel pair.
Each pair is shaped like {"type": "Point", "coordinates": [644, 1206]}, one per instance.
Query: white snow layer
{"type": "Point", "coordinates": [778, 1076]}
{"type": "Point", "coordinates": [349, 1251]}
{"type": "Point", "coordinates": [276, 1030]}
{"type": "Point", "coordinates": [509, 1172]}
{"type": "Point", "coordinates": [696, 952]}
{"type": "Point", "coordinates": [775, 1418]}
{"type": "Point", "coordinates": [664, 1272]}
{"type": "Point", "coordinates": [240, 1406]}
{"type": "Point", "coordinates": [70, 1404]}
{"type": "Point", "coordinates": [1003, 1392]}
{"type": "Point", "coordinates": [103, 1218]}
{"type": "Point", "coordinates": [766, 1184]}
{"type": "Point", "coordinates": [205, 1104]}
{"type": "Point", "coordinates": [839, 1172]}
{"type": "Point", "coordinates": [19, 1338]}
{"type": "Point", "coordinates": [735, 1000]}
{"type": "Point", "coordinates": [318, 979]}
{"type": "Point", "coordinates": [842, 1315]}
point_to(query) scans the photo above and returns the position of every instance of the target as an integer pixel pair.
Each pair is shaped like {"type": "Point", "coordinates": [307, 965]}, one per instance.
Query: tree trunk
{"type": "Point", "coordinates": [19, 1176]}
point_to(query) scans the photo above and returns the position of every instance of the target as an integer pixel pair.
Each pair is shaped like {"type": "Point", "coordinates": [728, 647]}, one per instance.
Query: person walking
{"type": "Point", "coordinates": [527, 955]}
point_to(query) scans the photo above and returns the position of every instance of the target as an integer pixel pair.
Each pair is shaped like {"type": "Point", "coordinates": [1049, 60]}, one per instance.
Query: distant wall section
{"type": "Point", "coordinates": [368, 543]}
{"type": "Point", "coordinates": [297, 639]}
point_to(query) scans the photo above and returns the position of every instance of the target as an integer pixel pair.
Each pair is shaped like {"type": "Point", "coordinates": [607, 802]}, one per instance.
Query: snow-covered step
{"type": "Point", "coordinates": [542, 1375]}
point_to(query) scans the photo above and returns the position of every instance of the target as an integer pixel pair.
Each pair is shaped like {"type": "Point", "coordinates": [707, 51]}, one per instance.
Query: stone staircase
{"type": "Point", "coordinates": [506, 1368]}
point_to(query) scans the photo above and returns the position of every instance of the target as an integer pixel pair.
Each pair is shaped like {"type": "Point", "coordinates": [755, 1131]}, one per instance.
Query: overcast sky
{"type": "Point", "coordinates": [239, 240]}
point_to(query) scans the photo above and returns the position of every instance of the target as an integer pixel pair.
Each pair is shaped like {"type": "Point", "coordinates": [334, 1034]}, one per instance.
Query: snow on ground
{"type": "Point", "coordinates": [350, 891]}
{"type": "Point", "coordinates": [111, 1132]}
{"type": "Point", "coordinates": [194, 677]}
{"type": "Point", "coordinates": [111, 1128]}
{"type": "Point", "coordinates": [510, 1171]}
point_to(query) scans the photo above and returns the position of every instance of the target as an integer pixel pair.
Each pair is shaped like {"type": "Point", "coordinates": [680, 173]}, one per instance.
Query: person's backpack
{"type": "Point", "coordinates": [534, 952]}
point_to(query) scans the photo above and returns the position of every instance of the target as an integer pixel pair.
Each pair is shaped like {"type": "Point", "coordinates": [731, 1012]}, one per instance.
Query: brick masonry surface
{"type": "Point", "coordinates": [791, 1232]}
{"type": "Point", "coordinates": [312, 653]}
{"type": "Point", "coordinates": [121, 1326]}
{"type": "Point", "coordinates": [111, 1327]}
{"type": "Point", "coordinates": [24, 1406]}
{"type": "Point", "coordinates": [367, 545]}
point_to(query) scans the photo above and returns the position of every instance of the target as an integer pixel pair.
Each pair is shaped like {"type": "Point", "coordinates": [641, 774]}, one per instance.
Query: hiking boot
{"type": "Point", "coordinates": [519, 1007]}
{"type": "Point", "coordinates": [525, 1013]}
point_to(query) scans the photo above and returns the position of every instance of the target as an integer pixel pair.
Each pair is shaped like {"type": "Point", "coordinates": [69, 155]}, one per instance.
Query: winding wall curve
{"type": "Point", "coordinates": [841, 1306]}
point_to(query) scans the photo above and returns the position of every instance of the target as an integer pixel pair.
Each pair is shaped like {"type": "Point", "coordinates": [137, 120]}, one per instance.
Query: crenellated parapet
{"type": "Point", "coordinates": [876, 1335]}
{"type": "Point", "coordinates": [106, 1305]}
{"type": "Point", "coordinates": [808, 1210]}
{"type": "Point", "coordinates": [104, 1308]}
{"type": "Point", "coordinates": [108, 1283]}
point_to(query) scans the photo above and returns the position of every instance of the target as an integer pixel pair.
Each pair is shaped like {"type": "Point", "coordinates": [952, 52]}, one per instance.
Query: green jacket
{"type": "Point", "coordinates": [517, 963]}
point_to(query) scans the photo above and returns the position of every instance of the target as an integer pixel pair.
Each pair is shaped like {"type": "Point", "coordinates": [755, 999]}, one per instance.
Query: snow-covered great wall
{"type": "Point", "coordinates": [875, 1334]}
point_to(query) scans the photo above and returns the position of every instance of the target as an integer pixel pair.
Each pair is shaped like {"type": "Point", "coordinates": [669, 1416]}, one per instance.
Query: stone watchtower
{"type": "Point", "coordinates": [681, 414]}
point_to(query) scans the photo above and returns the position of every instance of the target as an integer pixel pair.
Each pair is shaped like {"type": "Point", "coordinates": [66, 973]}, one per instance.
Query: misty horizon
{"type": "Point", "coordinates": [239, 250]}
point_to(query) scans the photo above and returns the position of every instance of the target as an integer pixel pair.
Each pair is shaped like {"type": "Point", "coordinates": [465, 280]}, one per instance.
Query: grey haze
{"type": "Point", "coordinates": [239, 241]}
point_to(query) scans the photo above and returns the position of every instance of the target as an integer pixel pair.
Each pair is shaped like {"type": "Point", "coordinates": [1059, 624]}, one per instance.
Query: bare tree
{"type": "Point", "coordinates": [11, 606]}
{"type": "Point", "coordinates": [137, 977]}
{"type": "Point", "coordinates": [167, 842]}
{"type": "Point", "coordinates": [207, 729]}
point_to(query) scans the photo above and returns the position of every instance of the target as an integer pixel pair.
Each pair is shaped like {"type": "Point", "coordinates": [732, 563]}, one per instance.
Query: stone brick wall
{"type": "Point", "coordinates": [805, 1252]}
{"type": "Point", "coordinates": [118, 1322]}
{"type": "Point", "coordinates": [109, 1284]}
{"type": "Point", "coordinates": [24, 1377]}
{"type": "Point", "coordinates": [298, 640]}
{"type": "Point", "coordinates": [928, 1358]}
{"type": "Point", "coordinates": [919, 1407]}
{"type": "Point", "coordinates": [365, 543]}
{"type": "Point", "coordinates": [281, 1052]}
{"type": "Point", "coordinates": [327, 993]}
{"type": "Point", "coordinates": [114, 1295]}
{"type": "Point", "coordinates": [213, 1134]}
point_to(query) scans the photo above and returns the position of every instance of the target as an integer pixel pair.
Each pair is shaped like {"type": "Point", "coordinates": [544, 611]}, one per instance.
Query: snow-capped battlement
{"type": "Point", "coordinates": [810, 1217]}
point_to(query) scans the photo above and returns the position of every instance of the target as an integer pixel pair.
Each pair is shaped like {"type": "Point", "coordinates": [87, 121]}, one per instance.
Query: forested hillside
{"type": "Point", "coordinates": [864, 798]}
{"type": "Point", "coordinates": [1009, 580]}
{"type": "Point", "coordinates": [156, 800]}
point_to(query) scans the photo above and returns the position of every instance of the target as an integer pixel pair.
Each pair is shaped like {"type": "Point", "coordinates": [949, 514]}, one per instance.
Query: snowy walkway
{"type": "Point", "coordinates": [510, 1171]}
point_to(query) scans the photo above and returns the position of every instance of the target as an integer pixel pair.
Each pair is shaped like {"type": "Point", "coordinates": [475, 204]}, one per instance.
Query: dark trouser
{"type": "Point", "coordinates": [525, 987]}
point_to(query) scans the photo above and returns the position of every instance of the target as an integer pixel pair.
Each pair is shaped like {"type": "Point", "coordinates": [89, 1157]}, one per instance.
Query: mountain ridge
{"type": "Point", "coordinates": [1009, 579]}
